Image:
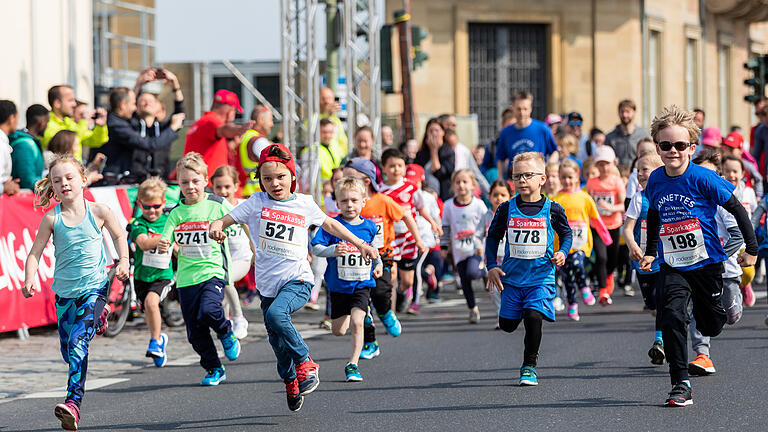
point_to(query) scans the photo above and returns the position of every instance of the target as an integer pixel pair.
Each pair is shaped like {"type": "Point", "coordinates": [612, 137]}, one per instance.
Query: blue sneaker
{"type": "Point", "coordinates": [528, 376]}
{"type": "Point", "coordinates": [391, 324]}
{"type": "Point", "coordinates": [370, 351]}
{"type": "Point", "coordinates": [231, 345]}
{"type": "Point", "coordinates": [214, 377]}
{"type": "Point", "coordinates": [158, 347]}
{"type": "Point", "coordinates": [353, 373]}
{"type": "Point", "coordinates": [154, 349]}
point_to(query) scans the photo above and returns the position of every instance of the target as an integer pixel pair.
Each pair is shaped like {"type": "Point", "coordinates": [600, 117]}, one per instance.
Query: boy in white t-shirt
{"type": "Point", "coordinates": [279, 221]}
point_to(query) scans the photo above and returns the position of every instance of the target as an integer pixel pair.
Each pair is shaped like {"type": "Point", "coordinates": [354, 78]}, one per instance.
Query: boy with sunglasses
{"type": "Point", "coordinates": [683, 199]}
{"type": "Point", "coordinates": [152, 272]}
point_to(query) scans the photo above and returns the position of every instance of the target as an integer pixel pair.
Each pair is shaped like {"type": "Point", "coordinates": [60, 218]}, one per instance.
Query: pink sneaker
{"type": "Point", "coordinates": [573, 312]}
{"type": "Point", "coordinates": [431, 282]}
{"type": "Point", "coordinates": [749, 295]}
{"type": "Point", "coordinates": [587, 297]}
{"type": "Point", "coordinates": [103, 324]}
{"type": "Point", "coordinates": [413, 309]}
{"type": "Point", "coordinates": [69, 414]}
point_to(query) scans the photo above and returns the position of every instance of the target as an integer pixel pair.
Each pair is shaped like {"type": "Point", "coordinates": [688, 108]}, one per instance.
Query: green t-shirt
{"type": "Point", "coordinates": [150, 266]}
{"type": "Point", "coordinates": [200, 258]}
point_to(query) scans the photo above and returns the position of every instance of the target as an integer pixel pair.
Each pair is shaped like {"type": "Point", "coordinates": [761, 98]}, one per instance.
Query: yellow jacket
{"type": "Point", "coordinates": [95, 137]}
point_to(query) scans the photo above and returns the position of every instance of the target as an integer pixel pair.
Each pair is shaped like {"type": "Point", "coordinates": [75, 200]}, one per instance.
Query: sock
{"type": "Point", "coordinates": [658, 336]}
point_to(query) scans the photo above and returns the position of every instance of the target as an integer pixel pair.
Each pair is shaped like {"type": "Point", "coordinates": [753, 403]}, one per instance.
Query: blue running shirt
{"type": "Point", "coordinates": [347, 273]}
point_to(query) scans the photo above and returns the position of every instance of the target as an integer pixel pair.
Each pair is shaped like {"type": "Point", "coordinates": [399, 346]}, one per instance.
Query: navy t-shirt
{"type": "Point", "coordinates": [347, 273]}
{"type": "Point", "coordinates": [512, 141]}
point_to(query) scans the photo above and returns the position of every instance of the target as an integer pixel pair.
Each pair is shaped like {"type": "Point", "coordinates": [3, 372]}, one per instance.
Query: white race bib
{"type": "Point", "coordinates": [579, 233]}
{"type": "Point", "coordinates": [683, 243]}
{"type": "Point", "coordinates": [351, 266]}
{"type": "Point", "coordinates": [193, 240]}
{"type": "Point", "coordinates": [153, 258]}
{"type": "Point", "coordinates": [606, 197]}
{"type": "Point", "coordinates": [378, 240]}
{"type": "Point", "coordinates": [643, 234]}
{"type": "Point", "coordinates": [464, 242]}
{"type": "Point", "coordinates": [283, 234]}
{"type": "Point", "coordinates": [527, 237]}
{"type": "Point", "coordinates": [239, 245]}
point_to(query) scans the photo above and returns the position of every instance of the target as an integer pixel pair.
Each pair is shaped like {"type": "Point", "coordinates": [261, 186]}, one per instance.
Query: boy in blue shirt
{"type": "Point", "coordinates": [348, 276]}
{"type": "Point", "coordinates": [683, 199]}
{"type": "Point", "coordinates": [526, 278]}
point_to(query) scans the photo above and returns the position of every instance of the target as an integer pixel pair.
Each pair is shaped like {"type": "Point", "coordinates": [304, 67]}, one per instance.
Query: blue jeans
{"type": "Point", "coordinates": [286, 342]}
{"type": "Point", "coordinates": [202, 312]}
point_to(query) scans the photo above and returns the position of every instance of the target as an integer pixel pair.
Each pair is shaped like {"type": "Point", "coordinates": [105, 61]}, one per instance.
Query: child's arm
{"type": "Point", "coordinates": [166, 239]}
{"type": "Point", "coordinates": [33, 259]}
{"type": "Point", "coordinates": [410, 223]}
{"type": "Point", "coordinates": [118, 238]}
{"type": "Point", "coordinates": [335, 228]}
{"type": "Point", "coordinates": [757, 179]}
{"type": "Point", "coordinates": [653, 224]}
{"type": "Point", "coordinates": [563, 230]}
{"type": "Point", "coordinates": [217, 227]}
{"type": "Point", "coordinates": [597, 223]}
{"type": "Point", "coordinates": [146, 242]}
{"type": "Point", "coordinates": [627, 230]}
{"type": "Point", "coordinates": [435, 227]}
{"type": "Point", "coordinates": [495, 235]}
{"type": "Point", "coordinates": [758, 214]}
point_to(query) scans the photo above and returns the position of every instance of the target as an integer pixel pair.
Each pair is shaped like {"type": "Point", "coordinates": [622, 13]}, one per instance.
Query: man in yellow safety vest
{"type": "Point", "coordinates": [253, 142]}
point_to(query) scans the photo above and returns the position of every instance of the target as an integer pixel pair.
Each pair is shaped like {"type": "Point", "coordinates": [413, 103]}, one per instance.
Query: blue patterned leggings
{"type": "Point", "coordinates": [574, 276]}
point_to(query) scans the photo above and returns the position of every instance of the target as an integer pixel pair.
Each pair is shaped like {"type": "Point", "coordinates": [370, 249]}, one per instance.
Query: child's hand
{"type": "Point", "coordinates": [558, 258]}
{"type": "Point", "coordinates": [635, 253]}
{"type": "Point", "coordinates": [29, 288]}
{"type": "Point", "coordinates": [646, 261]}
{"type": "Point", "coordinates": [746, 260]}
{"type": "Point", "coordinates": [216, 233]}
{"type": "Point", "coordinates": [378, 271]}
{"type": "Point", "coordinates": [122, 270]}
{"type": "Point", "coordinates": [163, 246]}
{"type": "Point", "coordinates": [369, 252]}
{"type": "Point", "coordinates": [494, 279]}
{"type": "Point", "coordinates": [421, 247]}
{"type": "Point", "coordinates": [479, 252]}
{"type": "Point", "coordinates": [437, 228]}
{"type": "Point", "coordinates": [340, 250]}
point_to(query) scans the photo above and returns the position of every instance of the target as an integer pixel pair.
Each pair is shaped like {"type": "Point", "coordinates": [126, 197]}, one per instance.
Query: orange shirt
{"type": "Point", "coordinates": [384, 212]}
{"type": "Point", "coordinates": [608, 191]}
{"type": "Point", "coordinates": [201, 138]}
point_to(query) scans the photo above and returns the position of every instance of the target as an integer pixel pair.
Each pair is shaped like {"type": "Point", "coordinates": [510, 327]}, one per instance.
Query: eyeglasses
{"type": "Point", "coordinates": [574, 123]}
{"type": "Point", "coordinates": [678, 145]}
{"type": "Point", "coordinates": [525, 176]}
{"type": "Point", "coordinates": [155, 206]}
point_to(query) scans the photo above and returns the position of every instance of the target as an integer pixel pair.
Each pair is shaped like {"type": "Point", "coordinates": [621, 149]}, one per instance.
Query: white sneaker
{"type": "Point", "coordinates": [558, 304]}
{"type": "Point", "coordinates": [474, 315]}
{"type": "Point", "coordinates": [240, 327]}
{"type": "Point", "coordinates": [629, 291]}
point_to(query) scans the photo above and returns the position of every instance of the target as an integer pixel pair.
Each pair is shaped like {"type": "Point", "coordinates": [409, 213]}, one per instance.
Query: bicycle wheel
{"type": "Point", "coordinates": [119, 300]}
{"type": "Point", "coordinates": [170, 310]}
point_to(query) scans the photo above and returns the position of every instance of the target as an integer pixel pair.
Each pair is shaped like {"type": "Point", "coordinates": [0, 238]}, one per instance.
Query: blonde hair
{"type": "Point", "coordinates": [226, 170]}
{"type": "Point", "coordinates": [351, 184]}
{"type": "Point", "coordinates": [569, 143]}
{"type": "Point", "coordinates": [193, 161]}
{"type": "Point", "coordinates": [552, 166]}
{"type": "Point", "coordinates": [150, 189]}
{"type": "Point", "coordinates": [464, 171]}
{"type": "Point", "coordinates": [675, 116]}
{"type": "Point", "coordinates": [652, 156]}
{"type": "Point", "coordinates": [570, 163]}
{"type": "Point", "coordinates": [43, 187]}
{"type": "Point", "coordinates": [536, 157]}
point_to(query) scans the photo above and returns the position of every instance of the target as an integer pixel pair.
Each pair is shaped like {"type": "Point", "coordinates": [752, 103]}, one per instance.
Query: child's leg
{"type": "Point", "coordinates": [152, 314]}
{"type": "Point", "coordinates": [198, 330]}
{"type": "Point", "coordinates": [612, 259]}
{"type": "Point", "coordinates": [318, 269]}
{"type": "Point", "coordinates": [601, 259]}
{"type": "Point", "coordinates": [699, 343]}
{"type": "Point", "coordinates": [570, 278]}
{"type": "Point", "coordinates": [732, 300]}
{"type": "Point", "coordinates": [356, 329]}
{"type": "Point", "coordinates": [287, 343]}
{"type": "Point", "coordinates": [340, 325]}
{"type": "Point", "coordinates": [532, 320]}
{"type": "Point", "coordinates": [419, 282]}
{"type": "Point", "coordinates": [469, 270]}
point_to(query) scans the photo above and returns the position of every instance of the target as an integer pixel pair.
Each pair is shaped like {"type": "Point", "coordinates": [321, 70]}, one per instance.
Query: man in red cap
{"type": "Point", "coordinates": [209, 134]}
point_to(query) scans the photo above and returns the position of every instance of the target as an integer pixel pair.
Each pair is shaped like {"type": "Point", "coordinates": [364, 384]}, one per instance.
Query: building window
{"type": "Point", "coordinates": [691, 73]}
{"type": "Point", "coordinates": [653, 75]}
{"type": "Point", "coordinates": [723, 86]}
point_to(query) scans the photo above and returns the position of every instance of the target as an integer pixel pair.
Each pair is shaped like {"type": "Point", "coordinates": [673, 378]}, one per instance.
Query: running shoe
{"type": "Point", "coordinates": [680, 396]}
{"type": "Point", "coordinates": [605, 299]}
{"type": "Point", "coordinates": [433, 297]}
{"type": "Point", "coordinates": [391, 323]}
{"type": "Point", "coordinates": [240, 327]}
{"type": "Point", "coordinates": [573, 312]}
{"type": "Point", "coordinates": [214, 377]}
{"type": "Point", "coordinates": [352, 373]}
{"type": "Point", "coordinates": [231, 345]}
{"type": "Point", "coordinates": [558, 304]}
{"type": "Point", "coordinates": [587, 297]}
{"type": "Point", "coordinates": [312, 306]}
{"type": "Point", "coordinates": [370, 351]}
{"type": "Point", "coordinates": [69, 415]}
{"type": "Point", "coordinates": [629, 291]}
{"type": "Point", "coordinates": [749, 295]}
{"type": "Point", "coordinates": [326, 324]}
{"type": "Point", "coordinates": [307, 375]}
{"type": "Point", "coordinates": [498, 325]}
{"type": "Point", "coordinates": [656, 353]}
{"type": "Point", "coordinates": [103, 323]}
{"type": "Point", "coordinates": [413, 309]}
{"type": "Point", "coordinates": [250, 297]}
{"type": "Point", "coordinates": [157, 351]}
{"type": "Point", "coordinates": [701, 366]}
{"type": "Point", "coordinates": [431, 282]}
{"type": "Point", "coordinates": [474, 315]}
{"type": "Point", "coordinates": [528, 376]}
{"type": "Point", "coordinates": [295, 400]}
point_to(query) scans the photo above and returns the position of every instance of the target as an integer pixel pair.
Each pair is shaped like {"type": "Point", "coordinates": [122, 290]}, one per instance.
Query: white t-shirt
{"type": "Point", "coordinates": [425, 228]}
{"type": "Point", "coordinates": [239, 243]}
{"type": "Point", "coordinates": [463, 222]}
{"type": "Point", "coordinates": [633, 185]}
{"type": "Point", "coordinates": [280, 234]}
{"type": "Point", "coordinates": [635, 206]}
{"type": "Point", "coordinates": [747, 198]}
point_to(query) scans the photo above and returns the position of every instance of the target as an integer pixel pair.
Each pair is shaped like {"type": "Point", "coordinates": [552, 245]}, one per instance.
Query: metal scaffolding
{"type": "Point", "coordinates": [362, 23]}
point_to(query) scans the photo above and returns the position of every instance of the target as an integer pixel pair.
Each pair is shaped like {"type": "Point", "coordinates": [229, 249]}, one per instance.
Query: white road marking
{"type": "Point", "coordinates": [61, 392]}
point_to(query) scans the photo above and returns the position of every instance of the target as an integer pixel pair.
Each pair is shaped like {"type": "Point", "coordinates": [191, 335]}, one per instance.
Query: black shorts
{"type": "Point", "coordinates": [144, 288]}
{"type": "Point", "coordinates": [407, 264]}
{"type": "Point", "coordinates": [342, 304]}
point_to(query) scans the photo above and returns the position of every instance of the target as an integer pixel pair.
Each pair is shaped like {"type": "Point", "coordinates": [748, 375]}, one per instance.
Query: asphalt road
{"type": "Point", "coordinates": [445, 374]}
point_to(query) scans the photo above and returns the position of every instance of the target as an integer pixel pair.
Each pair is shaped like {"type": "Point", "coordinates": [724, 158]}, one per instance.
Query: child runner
{"type": "Point", "coordinates": [607, 189]}
{"type": "Point", "coordinates": [204, 268]}
{"type": "Point", "coordinates": [348, 276]}
{"type": "Point", "coordinates": [80, 276]}
{"type": "Point", "coordinates": [500, 193]}
{"type": "Point", "coordinates": [732, 242]}
{"type": "Point", "coordinates": [733, 145]}
{"type": "Point", "coordinates": [434, 265]}
{"type": "Point", "coordinates": [152, 271]}
{"type": "Point", "coordinates": [582, 214]}
{"type": "Point", "coordinates": [279, 220]}
{"type": "Point", "coordinates": [683, 201]}
{"type": "Point", "coordinates": [552, 185]}
{"type": "Point", "coordinates": [415, 174]}
{"type": "Point", "coordinates": [526, 278]}
{"type": "Point", "coordinates": [635, 231]}
{"type": "Point", "coordinates": [384, 212]}
{"type": "Point", "coordinates": [734, 171]}
{"type": "Point", "coordinates": [225, 184]}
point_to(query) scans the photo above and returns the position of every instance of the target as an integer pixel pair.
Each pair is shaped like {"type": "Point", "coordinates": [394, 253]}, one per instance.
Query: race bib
{"type": "Point", "coordinates": [464, 242]}
{"type": "Point", "coordinates": [238, 241]}
{"type": "Point", "coordinates": [153, 258]}
{"type": "Point", "coordinates": [683, 243]}
{"type": "Point", "coordinates": [527, 237]}
{"type": "Point", "coordinates": [193, 240]}
{"type": "Point", "coordinates": [643, 234]}
{"type": "Point", "coordinates": [606, 197]}
{"type": "Point", "coordinates": [351, 266]}
{"type": "Point", "coordinates": [283, 234]}
{"type": "Point", "coordinates": [579, 233]}
{"type": "Point", "coordinates": [378, 240]}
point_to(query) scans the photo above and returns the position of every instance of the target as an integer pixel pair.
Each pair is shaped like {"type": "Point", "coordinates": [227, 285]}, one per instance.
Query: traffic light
{"type": "Point", "coordinates": [418, 34]}
{"type": "Point", "coordinates": [757, 67]}
{"type": "Point", "coordinates": [385, 38]}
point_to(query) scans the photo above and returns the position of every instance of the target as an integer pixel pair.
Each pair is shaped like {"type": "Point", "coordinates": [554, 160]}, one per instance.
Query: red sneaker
{"type": "Point", "coordinates": [295, 400]}
{"type": "Point", "coordinates": [307, 375]}
{"type": "Point", "coordinates": [103, 324]}
{"type": "Point", "coordinates": [69, 414]}
{"type": "Point", "coordinates": [749, 295]}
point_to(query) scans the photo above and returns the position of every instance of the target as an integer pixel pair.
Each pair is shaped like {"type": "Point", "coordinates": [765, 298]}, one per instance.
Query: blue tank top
{"type": "Point", "coordinates": [81, 263]}
{"type": "Point", "coordinates": [641, 237]}
{"type": "Point", "coordinates": [530, 248]}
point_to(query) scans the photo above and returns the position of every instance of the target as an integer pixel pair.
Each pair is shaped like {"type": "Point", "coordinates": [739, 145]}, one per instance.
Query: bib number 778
{"type": "Point", "coordinates": [523, 235]}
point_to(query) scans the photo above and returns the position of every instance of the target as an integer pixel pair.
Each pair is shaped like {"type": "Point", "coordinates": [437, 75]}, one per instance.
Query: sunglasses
{"type": "Point", "coordinates": [678, 145]}
{"type": "Point", "coordinates": [574, 123]}
{"type": "Point", "coordinates": [525, 176]}
{"type": "Point", "coordinates": [155, 206]}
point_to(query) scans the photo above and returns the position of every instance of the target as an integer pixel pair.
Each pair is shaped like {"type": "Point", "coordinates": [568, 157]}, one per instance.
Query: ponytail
{"type": "Point", "coordinates": [44, 188]}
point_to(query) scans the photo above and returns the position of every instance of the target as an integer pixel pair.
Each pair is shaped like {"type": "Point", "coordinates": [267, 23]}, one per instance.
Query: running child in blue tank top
{"type": "Point", "coordinates": [80, 276]}
{"type": "Point", "coordinates": [526, 277]}
{"type": "Point", "coordinates": [683, 199]}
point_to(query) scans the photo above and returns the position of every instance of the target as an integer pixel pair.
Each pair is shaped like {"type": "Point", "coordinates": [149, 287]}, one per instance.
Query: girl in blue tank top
{"type": "Point", "coordinates": [80, 274]}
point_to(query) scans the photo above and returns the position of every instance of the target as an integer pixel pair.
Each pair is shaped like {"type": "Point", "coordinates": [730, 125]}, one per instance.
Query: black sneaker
{"type": "Point", "coordinates": [680, 396]}
{"type": "Point", "coordinates": [295, 400]}
{"type": "Point", "coordinates": [656, 353]}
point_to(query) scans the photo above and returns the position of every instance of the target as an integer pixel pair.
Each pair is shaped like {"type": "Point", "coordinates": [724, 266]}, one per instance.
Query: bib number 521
{"type": "Point", "coordinates": [279, 231]}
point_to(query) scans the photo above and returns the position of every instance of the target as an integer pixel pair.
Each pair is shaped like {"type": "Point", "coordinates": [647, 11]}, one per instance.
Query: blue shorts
{"type": "Point", "coordinates": [515, 299]}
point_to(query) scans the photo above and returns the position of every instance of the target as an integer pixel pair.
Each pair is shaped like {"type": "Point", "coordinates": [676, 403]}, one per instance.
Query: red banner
{"type": "Point", "coordinates": [19, 220]}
